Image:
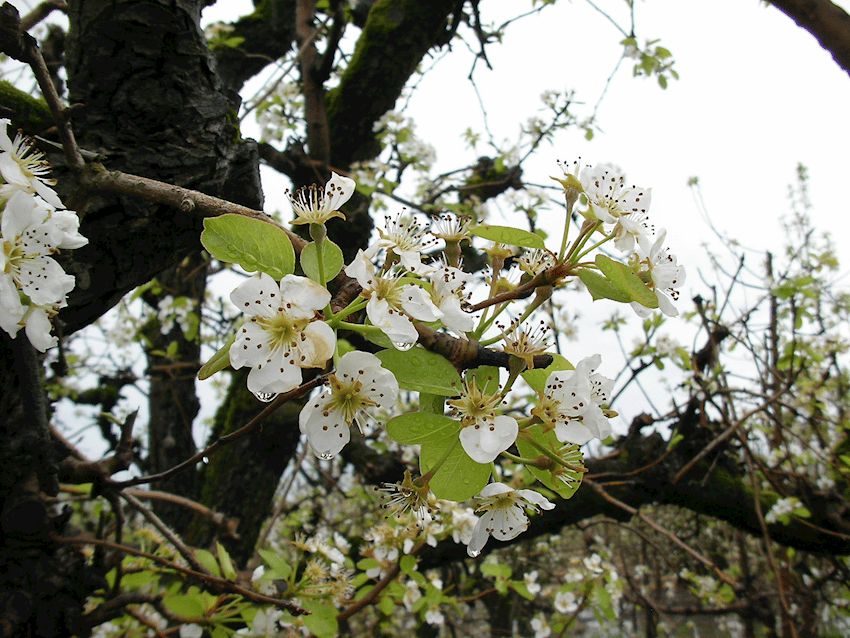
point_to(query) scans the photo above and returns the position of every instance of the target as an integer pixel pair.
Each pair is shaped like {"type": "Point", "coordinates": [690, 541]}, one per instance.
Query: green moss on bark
{"type": "Point", "coordinates": [31, 114]}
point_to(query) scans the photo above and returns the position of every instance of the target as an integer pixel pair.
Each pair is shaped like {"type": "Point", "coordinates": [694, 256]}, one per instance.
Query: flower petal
{"type": "Point", "coordinates": [257, 296]}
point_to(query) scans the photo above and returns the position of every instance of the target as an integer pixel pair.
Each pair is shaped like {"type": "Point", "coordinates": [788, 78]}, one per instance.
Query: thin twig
{"type": "Point", "coordinates": [599, 489]}
{"type": "Point", "coordinates": [252, 425]}
{"type": "Point", "coordinates": [186, 552]}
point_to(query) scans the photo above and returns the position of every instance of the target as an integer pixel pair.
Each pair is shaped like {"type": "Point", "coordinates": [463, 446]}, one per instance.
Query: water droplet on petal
{"type": "Point", "coordinates": [327, 456]}
{"type": "Point", "coordinates": [266, 397]}
{"type": "Point", "coordinates": [403, 346]}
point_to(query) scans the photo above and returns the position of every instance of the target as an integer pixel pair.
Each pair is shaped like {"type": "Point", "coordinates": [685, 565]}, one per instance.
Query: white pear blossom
{"type": "Point", "coordinates": [411, 594]}
{"type": "Point", "coordinates": [391, 304]}
{"type": "Point", "coordinates": [664, 275]}
{"type": "Point", "coordinates": [451, 228]}
{"type": "Point", "coordinates": [403, 238]}
{"type": "Point", "coordinates": [266, 623]}
{"type": "Point", "coordinates": [463, 524]}
{"type": "Point", "coordinates": [63, 227]}
{"type": "Point", "coordinates": [359, 384]}
{"type": "Point", "coordinates": [565, 602]}
{"type": "Point", "coordinates": [408, 497]}
{"type": "Point", "coordinates": [37, 327]}
{"type": "Point", "coordinates": [572, 400]}
{"type": "Point", "coordinates": [485, 434]}
{"type": "Point", "coordinates": [540, 627]}
{"type": "Point", "coordinates": [281, 335]}
{"type": "Point", "coordinates": [434, 617]}
{"type": "Point", "coordinates": [533, 262]}
{"type": "Point", "coordinates": [24, 169]}
{"type": "Point", "coordinates": [315, 205]}
{"type": "Point", "coordinates": [487, 438]}
{"type": "Point", "coordinates": [781, 509]}
{"type": "Point", "coordinates": [170, 310]}
{"type": "Point", "coordinates": [608, 195]}
{"type": "Point", "coordinates": [632, 229]}
{"type": "Point", "coordinates": [27, 246]}
{"type": "Point", "coordinates": [504, 516]}
{"type": "Point", "coordinates": [31, 233]}
{"type": "Point", "coordinates": [191, 630]}
{"type": "Point", "coordinates": [447, 292]}
{"type": "Point", "coordinates": [525, 341]}
{"type": "Point", "coordinates": [531, 583]}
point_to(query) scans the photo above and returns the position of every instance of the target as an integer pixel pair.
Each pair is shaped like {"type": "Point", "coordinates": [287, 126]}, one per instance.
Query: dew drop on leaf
{"type": "Point", "coordinates": [403, 346]}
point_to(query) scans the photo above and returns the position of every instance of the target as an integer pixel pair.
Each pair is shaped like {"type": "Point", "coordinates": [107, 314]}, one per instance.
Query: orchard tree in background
{"type": "Point", "coordinates": [423, 356]}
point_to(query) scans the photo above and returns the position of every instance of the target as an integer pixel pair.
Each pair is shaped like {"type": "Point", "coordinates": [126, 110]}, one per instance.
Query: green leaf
{"type": "Point", "coordinates": [219, 361]}
{"type": "Point", "coordinates": [433, 403]}
{"type": "Point", "coordinates": [421, 370]}
{"type": "Point", "coordinates": [331, 255]}
{"type": "Point", "coordinates": [386, 605]}
{"type": "Point", "coordinates": [497, 570]}
{"type": "Point", "coordinates": [226, 563]}
{"type": "Point", "coordinates": [567, 481]}
{"type": "Point", "coordinates": [601, 288]}
{"type": "Point", "coordinates": [508, 235]}
{"type": "Point", "coordinates": [281, 568]}
{"type": "Point", "coordinates": [251, 243]}
{"type": "Point", "coordinates": [486, 378]}
{"type": "Point", "coordinates": [459, 477]}
{"type": "Point", "coordinates": [521, 588]}
{"type": "Point", "coordinates": [206, 559]}
{"type": "Point", "coordinates": [675, 440]}
{"type": "Point", "coordinates": [322, 619]}
{"type": "Point", "coordinates": [191, 606]}
{"type": "Point", "coordinates": [407, 564]}
{"type": "Point", "coordinates": [415, 428]}
{"type": "Point", "coordinates": [367, 564]}
{"type": "Point", "coordinates": [537, 378]}
{"type": "Point", "coordinates": [627, 281]}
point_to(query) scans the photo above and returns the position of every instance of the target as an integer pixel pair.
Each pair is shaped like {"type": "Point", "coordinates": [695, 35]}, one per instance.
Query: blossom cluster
{"type": "Point", "coordinates": [33, 286]}
{"type": "Point", "coordinates": [290, 325]}
{"type": "Point", "coordinates": [624, 211]}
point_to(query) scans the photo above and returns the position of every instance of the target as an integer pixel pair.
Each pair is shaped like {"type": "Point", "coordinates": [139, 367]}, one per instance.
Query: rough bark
{"type": "Point", "coordinates": [241, 481]}
{"type": "Point", "coordinates": [397, 35]}
{"type": "Point", "coordinates": [152, 105]}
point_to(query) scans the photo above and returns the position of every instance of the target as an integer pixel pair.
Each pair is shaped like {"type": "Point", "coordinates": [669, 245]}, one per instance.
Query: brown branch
{"type": "Point", "coordinates": [15, 42]}
{"type": "Point", "coordinates": [227, 524]}
{"type": "Point", "coordinates": [252, 425]}
{"type": "Point", "coordinates": [726, 434]}
{"type": "Point", "coordinates": [318, 138]}
{"type": "Point", "coordinates": [97, 178]}
{"type": "Point", "coordinates": [468, 353]}
{"type": "Point", "coordinates": [187, 553]}
{"type": "Point", "coordinates": [550, 277]}
{"type": "Point", "coordinates": [43, 10]}
{"type": "Point", "coordinates": [114, 607]}
{"type": "Point", "coordinates": [596, 487]}
{"type": "Point", "coordinates": [825, 20]}
{"type": "Point", "coordinates": [348, 612]}
{"type": "Point", "coordinates": [76, 468]}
